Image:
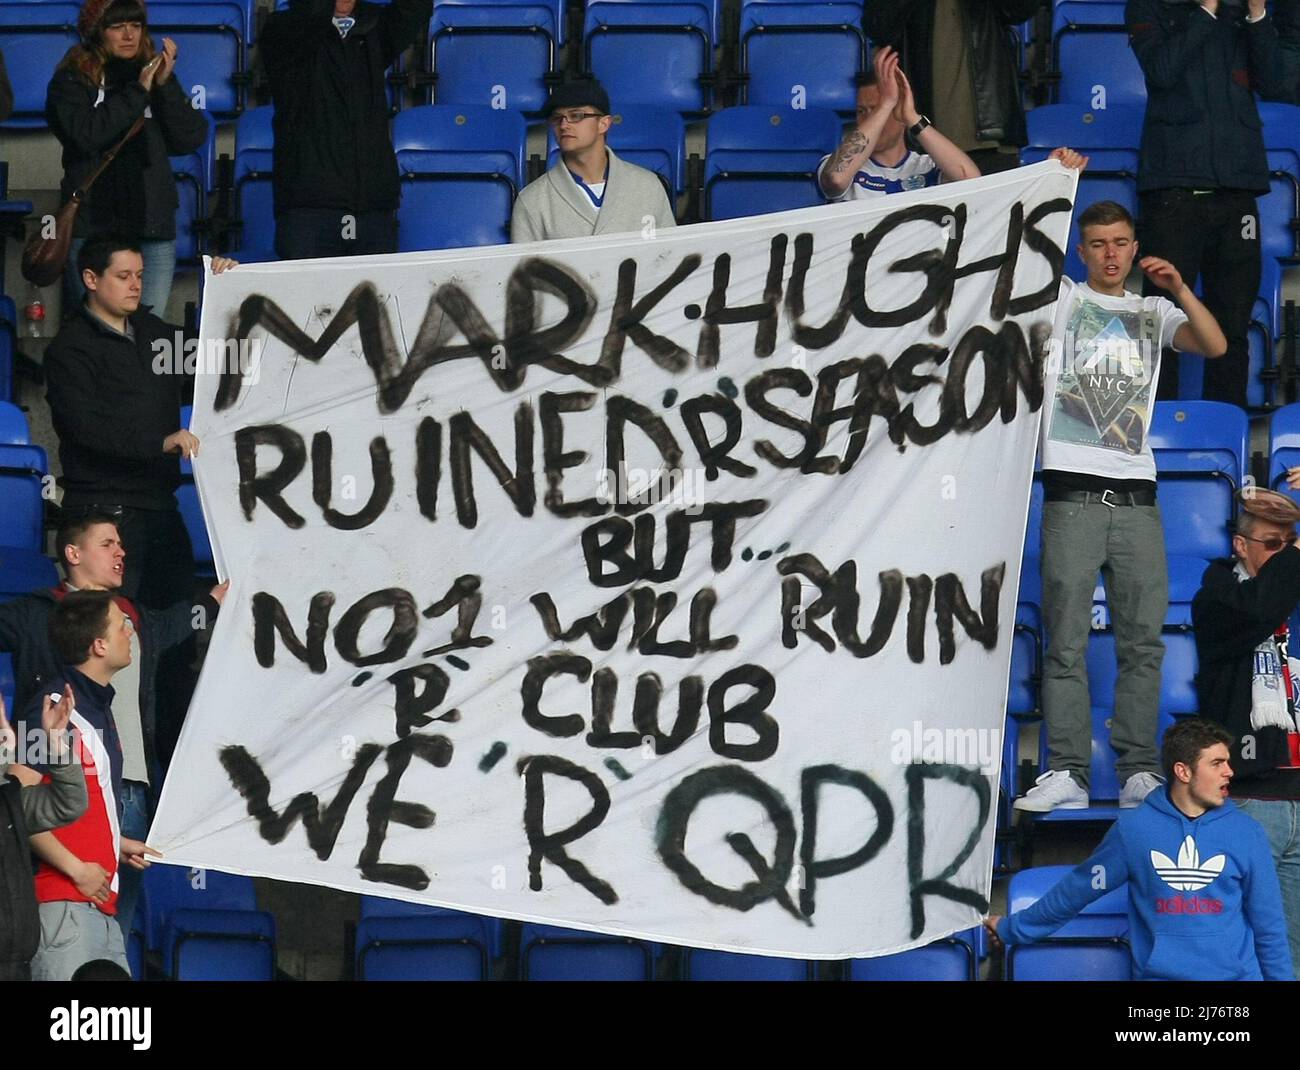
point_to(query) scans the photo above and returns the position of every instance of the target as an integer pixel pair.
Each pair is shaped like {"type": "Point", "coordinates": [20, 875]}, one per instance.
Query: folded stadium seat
{"type": "Point", "coordinates": [170, 888]}
{"type": "Point", "coordinates": [1091, 54]}
{"type": "Point", "coordinates": [699, 964]}
{"type": "Point", "coordinates": [8, 346]}
{"type": "Point", "coordinates": [23, 470]}
{"type": "Point", "coordinates": [944, 960]}
{"type": "Point", "coordinates": [1201, 453]}
{"type": "Point", "coordinates": [461, 166]}
{"type": "Point", "coordinates": [1106, 916]}
{"type": "Point", "coordinates": [194, 175]}
{"type": "Point", "coordinates": [212, 49]}
{"type": "Point", "coordinates": [34, 37]}
{"type": "Point", "coordinates": [764, 159]}
{"type": "Point", "coordinates": [1283, 446]}
{"type": "Point", "coordinates": [399, 941]}
{"type": "Point", "coordinates": [1280, 208]}
{"type": "Point", "coordinates": [550, 953]}
{"type": "Point", "coordinates": [187, 500]}
{"type": "Point", "coordinates": [220, 945]}
{"type": "Point", "coordinates": [807, 51]}
{"type": "Point", "coordinates": [1263, 334]}
{"type": "Point", "coordinates": [1092, 946]}
{"type": "Point", "coordinates": [492, 54]}
{"type": "Point", "coordinates": [1109, 138]}
{"type": "Point", "coordinates": [650, 137]}
{"type": "Point", "coordinates": [253, 205]}
{"type": "Point", "coordinates": [656, 52]}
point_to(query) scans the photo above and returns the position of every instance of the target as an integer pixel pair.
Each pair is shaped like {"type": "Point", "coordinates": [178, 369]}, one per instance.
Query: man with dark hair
{"type": "Point", "coordinates": [1247, 681]}
{"type": "Point", "coordinates": [116, 378]}
{"type": "Point", "coordinates": [25, 810]}
{"type": "Point", "coordinates": [77, 879]}
{"type": "Point", "coordinates": [1203, 897]}
{"type": "Point", "coordinates": [590, 191]}
{"type": "Point", "coordinates": [334, 171]}
{"type": "Point", "coordinates": [873, 158]}
{"type": "Point", "coordinates": [93, 560]}
{"type": "Point", "coordinates": [1099, 503]}
{"type": "Point", "coordinates": [1202, 161]}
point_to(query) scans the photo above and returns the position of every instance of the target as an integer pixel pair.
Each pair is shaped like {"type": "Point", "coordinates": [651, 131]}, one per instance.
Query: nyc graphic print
{"type": "Point", "coordinates": [1106, 386]}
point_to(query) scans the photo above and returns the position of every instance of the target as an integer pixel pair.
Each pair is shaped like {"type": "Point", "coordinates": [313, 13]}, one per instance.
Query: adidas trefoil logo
{"type": "Point", "coordinates": [1188, 874]}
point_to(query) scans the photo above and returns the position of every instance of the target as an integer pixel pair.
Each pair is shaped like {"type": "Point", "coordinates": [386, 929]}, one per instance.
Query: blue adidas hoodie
{"type": "Point", "coordinates": [1203, 897]}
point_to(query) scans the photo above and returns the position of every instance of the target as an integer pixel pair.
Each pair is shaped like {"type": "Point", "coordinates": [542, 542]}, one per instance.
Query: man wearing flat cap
{"type": "Point", "coordinates": [1248, 682]}
{"type": "Point", "coordinates": [590, 191]}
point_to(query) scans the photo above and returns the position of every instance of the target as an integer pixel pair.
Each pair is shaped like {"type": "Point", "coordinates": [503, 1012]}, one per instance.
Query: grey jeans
{"type": "Point", "coordinates": [1126, 545]}
{"type": "Point", "coordinates": [73, 934]}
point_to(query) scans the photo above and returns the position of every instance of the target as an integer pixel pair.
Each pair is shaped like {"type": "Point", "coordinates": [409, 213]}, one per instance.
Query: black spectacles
{"type": "Point", "coordinates": [573, 118]}
{"type": "Point", "coordinates": [1274, 542]}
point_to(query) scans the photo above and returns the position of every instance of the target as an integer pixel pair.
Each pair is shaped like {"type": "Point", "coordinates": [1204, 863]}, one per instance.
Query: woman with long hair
{"type": "Point", "coordinates": [101, 87]}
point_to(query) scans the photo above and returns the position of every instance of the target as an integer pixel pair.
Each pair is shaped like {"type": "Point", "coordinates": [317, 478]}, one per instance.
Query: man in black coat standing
{"type": "Point", "coordinates": [334, 170]}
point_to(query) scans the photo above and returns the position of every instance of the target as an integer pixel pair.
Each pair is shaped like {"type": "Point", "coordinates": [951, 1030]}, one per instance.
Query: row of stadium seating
{"type": "Point", "coordinates": [202, 925]}
{"type": "Point", "coordinates": [671, 53]}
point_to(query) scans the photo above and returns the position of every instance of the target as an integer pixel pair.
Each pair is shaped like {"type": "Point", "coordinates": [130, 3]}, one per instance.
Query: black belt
{"type": "Point", "coordinates": [1102, 497]}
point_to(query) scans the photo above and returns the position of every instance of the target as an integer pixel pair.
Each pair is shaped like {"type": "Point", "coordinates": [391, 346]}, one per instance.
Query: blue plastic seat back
{"type": "Point", "coordinates": [212, 52]}
{"type": "Point", "coordinates": [220, 945]}
{"type": "Point", "coordinates": [492, 55]}
{"type": "Point", "coordinates": [1070, 960]}
{"type": "Point", "coordinates": [1092, 54]}
{"type": "Point", "coordinates": [34, 38]}
{"type": "Point", "coordinates": [550, 953]}
{"type": "Point", "coordinates": [1104, 916]}
{"type": "Point", "coordinates": [808, 52]}
{"type": "Point", "coordinates": [171, 888]}
{"type": "Point", "coordinates": [763, 159]}
{"type": "Point", "coordinates": [254, 143]}
{"type": "Point", "coordinates": [1280, 207]}
{"type": "Point", "coordinates": [650, 137]}
{"type": "Point", "coordinates": [1283, 448]}
{"type": "Point", "coordinates": [23, 471]}
{"type": "Point", "coordinates": [193, 180]}
{"type": "Point", "coordinates": [479, 926]}
{"type": "Point", "coordinates": [943, 960]}
{"type": "Point", "coordinates": [652, 52]}
{"type": "Point", "coordinates": [1200, 450]}
{"type": "Point", "coordinates": [461, 168]}
{"type": "Point", "coordinates": [13, 425]}
{"type": "Point", "coordinates": [449, 946]}
{"type": "Point", "coordinates": [700, 964]}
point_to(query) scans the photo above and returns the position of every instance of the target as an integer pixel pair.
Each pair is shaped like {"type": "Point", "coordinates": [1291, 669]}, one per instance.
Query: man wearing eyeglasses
{"type": "Point", "coordinates": [590, 191]}
{"type": "Point", "coordinates": [1247, 680]}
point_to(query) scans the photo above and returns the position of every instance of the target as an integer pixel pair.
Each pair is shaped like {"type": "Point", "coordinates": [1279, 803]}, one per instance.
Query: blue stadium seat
{"type": "Point", "coordinates": [764, 159]}
{"type": "Point", "coordinates": [220, 945]}
{"type": "Point", "coordinates": [13, 426]}
{"type": "Point", "coordinates": [167, 889]}
{"type": "Point", "coordinates": [943, 960]}
{"type": "Point", "coordinates": [1283, 446]}
{"type": "Point", "coordinates": [1201, 455]}
{"type": "Point", "coordinates": [254, 208]}
{"type": "Point", "coordinates": [8, 347]}
{"type": "Point", "coordinates": [1090, 52]}
{"type": "Point", "coordinates": [212, 43]}
{"type": "Point", "coordinates": [1109, 138]}
{"type": "Point", "coordinates": [1100, 959]}
{"type": "Point", "coordinates": [656, 52]}
{"type": "Point", "coordinates": [194, 175]}
{"type": "Point", "coordinates": [653, 138]}
{"type": "Point", "coordinates": [34, 37]}
{"type": "Point", "coordinates": [549, 953]}
{"type": "Point", "coordinates": [494, 54]}
{"type": "Point", "coordinates": [411, 941]}
{"type": "Point", "coordinates": [23, 469]}
{"type": "Point", "coordinates": [699, 964]}
{"type": "Point", "coordinates": [1105, 916]}
{"type": "Point", "coordinates": [812, 49]}
{"type": "Point", "coordinates": [461, 167]}
{"type": "Point", "coordinates": [1279, 210]}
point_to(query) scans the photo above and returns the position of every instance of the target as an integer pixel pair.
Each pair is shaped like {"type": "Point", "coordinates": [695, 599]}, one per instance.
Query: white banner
{"type": "Point", "coordinates": [659, 585]}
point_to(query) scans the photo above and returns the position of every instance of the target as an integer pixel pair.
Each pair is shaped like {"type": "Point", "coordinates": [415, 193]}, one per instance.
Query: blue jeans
{"type": "Point", "coordinates": [159, 268]}
{"type": "Point", "coordinates": [135, 826]}
{"type": "Point", "coordinates": [1281, 823]}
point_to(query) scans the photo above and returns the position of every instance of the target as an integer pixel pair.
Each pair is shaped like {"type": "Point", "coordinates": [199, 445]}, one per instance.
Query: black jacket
{"type": "Point", "coordinates": [25, 811]}
{"type": "Point", "coordinates": [24, 634]}
{"type": "Point", "coordinates": [112, 410]}
{"type": "Point", "coordinates": [332, 148]}
{"type": "Point", "coordinates": [136, 195]}
{"type": "Point", "coordinates": [1202, 129]}
{"type": "Point", "coordinates": [908, 25]}
{"type": "Point", "coordinates": [1231, 619]}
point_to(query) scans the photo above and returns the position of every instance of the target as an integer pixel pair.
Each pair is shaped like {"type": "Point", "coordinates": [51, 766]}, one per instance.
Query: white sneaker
{"type": "Point", "coordinates": [1138, 787]}
{"type": "Point", "coordinates": [1054, 790]}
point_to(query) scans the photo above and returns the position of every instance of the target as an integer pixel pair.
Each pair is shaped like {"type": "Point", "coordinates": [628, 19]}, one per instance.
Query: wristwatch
{"type": "Point", "coordinates": [919, 127]}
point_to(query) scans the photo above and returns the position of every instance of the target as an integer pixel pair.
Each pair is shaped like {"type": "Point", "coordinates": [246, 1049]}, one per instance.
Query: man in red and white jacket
{"type": "Point", "coordinates": [77, 880]}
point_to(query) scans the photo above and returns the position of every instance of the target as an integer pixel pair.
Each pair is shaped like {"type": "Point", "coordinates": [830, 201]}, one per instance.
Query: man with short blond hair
{"type": "Point", "coordinates": [1247, 680]}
